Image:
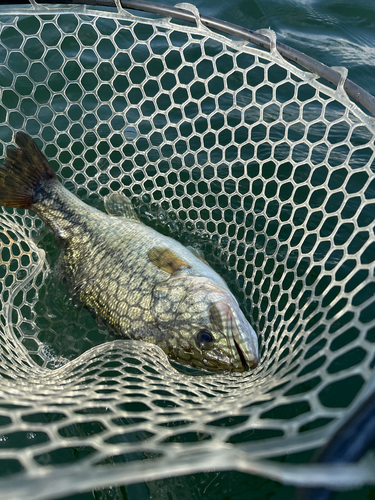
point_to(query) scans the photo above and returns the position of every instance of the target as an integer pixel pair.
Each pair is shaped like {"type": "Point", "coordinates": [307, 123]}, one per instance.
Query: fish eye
{"type": "Point", "coordinates": [205, 339]}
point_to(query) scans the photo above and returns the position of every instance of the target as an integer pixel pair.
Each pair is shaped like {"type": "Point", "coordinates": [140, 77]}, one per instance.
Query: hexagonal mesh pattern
{"type": "Point", "coordinates": [228, 148]}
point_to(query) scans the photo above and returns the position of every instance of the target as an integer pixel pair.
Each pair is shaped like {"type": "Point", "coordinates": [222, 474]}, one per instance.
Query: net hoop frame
{"type": "Point", "coordinates": [262, 38]}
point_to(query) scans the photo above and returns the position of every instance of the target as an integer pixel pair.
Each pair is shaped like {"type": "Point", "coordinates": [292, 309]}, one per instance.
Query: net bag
{"type": "Point", "coordinates": [231, 148]}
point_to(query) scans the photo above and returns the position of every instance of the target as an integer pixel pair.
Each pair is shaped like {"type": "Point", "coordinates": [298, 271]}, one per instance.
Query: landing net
{"type": "Point", "coordinates": [262, 165]}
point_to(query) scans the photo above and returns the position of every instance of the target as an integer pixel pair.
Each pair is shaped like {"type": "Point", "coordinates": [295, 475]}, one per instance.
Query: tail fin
{"type": "Point", "coordinates": [23, 170]}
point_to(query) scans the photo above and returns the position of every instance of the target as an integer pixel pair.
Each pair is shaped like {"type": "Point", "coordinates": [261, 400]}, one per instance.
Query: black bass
{"type": "Point", "coordinates": [140, 284]}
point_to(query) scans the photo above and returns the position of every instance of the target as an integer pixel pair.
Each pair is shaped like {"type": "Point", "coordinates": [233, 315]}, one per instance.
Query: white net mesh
{"type": "Point", "coordinates": [231, 149]}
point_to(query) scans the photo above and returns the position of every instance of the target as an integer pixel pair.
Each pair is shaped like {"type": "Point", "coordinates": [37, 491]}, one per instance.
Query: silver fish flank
{"type": "Point", "coordinates": [142, 285]}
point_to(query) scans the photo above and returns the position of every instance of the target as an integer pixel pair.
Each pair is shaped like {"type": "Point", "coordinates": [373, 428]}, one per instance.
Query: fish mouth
{"type": "Point", "coordinates": [239, 334]}
{"type": "Point", "coordinates": [246, 356]}
{"type": "Point", "coordinates": [243, 336]}
{"type": "Point", "coordinates": [241, 356]}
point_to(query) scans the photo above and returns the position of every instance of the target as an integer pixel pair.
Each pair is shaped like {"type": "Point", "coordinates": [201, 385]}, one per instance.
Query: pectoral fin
{"type": "Point", "coordinates": [166, 260]}
{"type": "Point", "coordinates": [119, 205]}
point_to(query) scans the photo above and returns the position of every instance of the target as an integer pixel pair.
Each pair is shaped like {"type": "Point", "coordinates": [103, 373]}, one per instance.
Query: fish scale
{"type": "Point", "coordinates": [142, 285]}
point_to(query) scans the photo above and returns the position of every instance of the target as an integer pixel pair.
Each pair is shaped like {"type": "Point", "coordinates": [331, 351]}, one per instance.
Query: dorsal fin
{"type": "Point", "coordinates": [119, 205]}
{"type": "Point", "coordinates": [166, 259]}
{"type": "Point", "coordinates": [198, 253]}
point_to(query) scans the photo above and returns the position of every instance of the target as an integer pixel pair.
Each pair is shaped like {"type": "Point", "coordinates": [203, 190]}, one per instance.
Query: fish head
{"type": "Point", "coordinates": [203, 325]}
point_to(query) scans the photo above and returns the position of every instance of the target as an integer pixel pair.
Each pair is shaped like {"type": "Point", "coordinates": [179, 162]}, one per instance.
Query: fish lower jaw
{"type": "Point", "coordinates": [247, 359]}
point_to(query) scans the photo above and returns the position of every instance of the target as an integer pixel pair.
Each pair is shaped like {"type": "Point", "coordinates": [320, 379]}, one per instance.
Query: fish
{"type": "Point", "coordinates": [140, 284]}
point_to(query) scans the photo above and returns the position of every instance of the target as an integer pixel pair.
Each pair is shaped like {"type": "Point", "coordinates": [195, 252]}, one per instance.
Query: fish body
{"type": "Point", "coordinates": [141, 284]}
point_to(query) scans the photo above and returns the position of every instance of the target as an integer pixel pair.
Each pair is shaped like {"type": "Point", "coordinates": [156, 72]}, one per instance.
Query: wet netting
{"type": "Point", "coordinates": [231, 148]}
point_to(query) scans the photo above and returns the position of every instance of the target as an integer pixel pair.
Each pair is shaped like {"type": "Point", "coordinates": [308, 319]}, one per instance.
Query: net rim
{"type": "Point", "coordinates": [337, 477]}
{"type": "Point", "coordinates": [187, 12]}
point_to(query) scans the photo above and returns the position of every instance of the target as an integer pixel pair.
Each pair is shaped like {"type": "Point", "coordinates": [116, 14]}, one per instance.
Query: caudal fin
{"type": "Point", "coordinates": [23, 170]}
